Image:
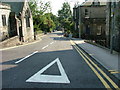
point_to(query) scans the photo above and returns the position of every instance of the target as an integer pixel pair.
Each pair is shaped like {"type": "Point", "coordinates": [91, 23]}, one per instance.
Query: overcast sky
{"type": "Point", "coordinates": [57, 4]}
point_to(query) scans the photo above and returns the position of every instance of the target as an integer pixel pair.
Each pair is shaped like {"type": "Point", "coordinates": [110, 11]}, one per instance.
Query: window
{"type": "Point", "coordinates": [27, 15]}
{"type": "Point", "coordinates": [27, 22]}
{"type": "Point", "coordinates": [4, 20]}
{"type": "Point", "coordinates": [75, 13]}
{"type": "Point", "coordinates": [99, 28]}
{"type": "Point", "coordinates": [86, 12]}
{"type": "Point", "coordinates": [96, 2]}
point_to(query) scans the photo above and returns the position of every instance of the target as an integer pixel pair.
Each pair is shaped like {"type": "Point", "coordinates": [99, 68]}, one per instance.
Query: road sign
{"type": "Point", "coordinates": [39, 77]}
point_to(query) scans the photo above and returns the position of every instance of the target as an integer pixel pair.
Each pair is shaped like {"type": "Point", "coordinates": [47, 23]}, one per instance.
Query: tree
{"type": "Point", "coordinates": [33, 7]}
{"type": "Point", "coordinates": [65, 12]}
{"type": "Point", "coordinates": [44, 7]}
{"type": "Point", "coordinates": [39, 8]}
{"type": "Point", "coordinates": [65, 17]}
{"type": "Point", "coordinates": [40, 20]}
{"type": "Point", "coordinates": [48, 23]}
{"type": "Point", "coordinates": [54, 18]}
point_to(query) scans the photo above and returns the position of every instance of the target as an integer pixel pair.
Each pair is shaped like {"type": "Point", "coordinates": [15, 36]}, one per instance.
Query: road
{"type": "Point", "coordinates": [51, 63]}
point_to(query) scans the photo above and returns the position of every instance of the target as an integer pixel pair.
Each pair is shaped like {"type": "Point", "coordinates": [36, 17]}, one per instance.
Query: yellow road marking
{"type": "Point", "coordinates": [108, 78]}
{"type": "Point", "coordinates": [114, 72]}
{"type": "Point", "coordinates": [98, 75]}
{"type": "Point", "coordinates": [111, 70]}
{"type": "Point", "coordinates": [104, 74]}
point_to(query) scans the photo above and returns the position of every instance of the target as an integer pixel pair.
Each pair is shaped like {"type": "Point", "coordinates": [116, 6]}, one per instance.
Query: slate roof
{"type": "Point", "coordinates": [90, 2]}
{"type": "Point", "coordinates": [4, 6]}
{"type": "Point", "coordinates": [16, 6]}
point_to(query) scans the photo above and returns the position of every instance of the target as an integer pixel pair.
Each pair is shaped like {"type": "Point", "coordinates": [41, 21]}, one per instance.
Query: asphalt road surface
{"type": "Point", "coordinates": [51, 63]}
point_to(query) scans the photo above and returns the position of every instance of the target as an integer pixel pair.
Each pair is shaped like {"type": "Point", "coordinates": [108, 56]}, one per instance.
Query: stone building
{"type": "Point", "coordinates": [4, 21]}
{"type": "Point", "coordinates": [21, 21]}
{"type": "Point", "coordinates": [113, 25]}
{"type": "Point", "coordinates": [90, 19]}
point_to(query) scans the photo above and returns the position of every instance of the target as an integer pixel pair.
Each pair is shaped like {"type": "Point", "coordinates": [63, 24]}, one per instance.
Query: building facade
{"type": "Point", "coordinates": [99, 21]}
{"type": "Point", "coordinates": [113, 25]}
{"type": "Point", "coordinates": [5, 10]}
{"type": "Point", "coordinates": [91, 20]}
{"type": "Point", "coordinates": [21, 21]}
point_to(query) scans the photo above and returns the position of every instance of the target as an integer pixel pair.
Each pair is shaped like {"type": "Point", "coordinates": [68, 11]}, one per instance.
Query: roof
{"type": "Point", "coordinates": [4, 6]}
{"type": "Point", "coordinates": [16, 6]}
{"type": "Point", "coordinates": [90, 2]}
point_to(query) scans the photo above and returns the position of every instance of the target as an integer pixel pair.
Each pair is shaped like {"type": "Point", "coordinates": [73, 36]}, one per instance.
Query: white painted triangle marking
{"type": "Point", "coordinates": [39, 77]}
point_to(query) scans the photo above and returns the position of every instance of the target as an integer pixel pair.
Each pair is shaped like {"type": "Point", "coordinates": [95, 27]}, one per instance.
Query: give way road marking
{"type": "Point", "coordinates": [39, 77]}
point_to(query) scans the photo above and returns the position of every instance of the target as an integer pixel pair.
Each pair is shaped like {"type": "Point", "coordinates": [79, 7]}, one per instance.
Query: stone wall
{"type": "Point", "coordinates": [4, 10]}
{"type": "Point", "coordinates": [14, 41]}
{"type": "Point", "coordinates": [94, 12]}
{"type": "Point", "coordinates": [28, 33]}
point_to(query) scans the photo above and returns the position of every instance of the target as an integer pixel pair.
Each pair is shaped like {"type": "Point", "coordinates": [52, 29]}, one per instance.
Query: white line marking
{"type": "Point", "coordinates": [45, 46]}
{"type": "Point", "coordinates": [51, 42]}
{"type": "Point", "coordinates": [25, 57]}
{"type": "Point", "coordinates": [39, 77]}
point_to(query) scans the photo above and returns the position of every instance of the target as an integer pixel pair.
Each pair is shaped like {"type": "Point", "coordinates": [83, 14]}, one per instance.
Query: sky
{"type": "Point", "coordinates": [57, 4]}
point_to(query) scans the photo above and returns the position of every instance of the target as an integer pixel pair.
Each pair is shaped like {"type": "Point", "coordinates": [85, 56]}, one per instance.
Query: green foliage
{"type": "Point", "coordinates": [44, 7]}
{"type": "Point", "coordinates": [65, 12]}
{"type": "Point", "coordinates": [55, 19]}
{"type": "Point", "coordinates": [39, 32]}
{"type": "Point", "coordinates": [48, 23]}
{"type": "Point", "coordinates": [43, 19]}
{"type": "Point", "coordinates": [36, 27]}
{"type": "Point", "coordinates": [39, 8]}
{"type": "Point", "coordinates": [33, 7]}
{"type": "Point", "coordinates": [67, 24]}
{"type": "Point", "coordinates": [65, 18]}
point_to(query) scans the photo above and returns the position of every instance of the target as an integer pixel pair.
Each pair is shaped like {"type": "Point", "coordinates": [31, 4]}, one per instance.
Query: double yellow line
{"type": "Point", "coordinates": [91, 64]}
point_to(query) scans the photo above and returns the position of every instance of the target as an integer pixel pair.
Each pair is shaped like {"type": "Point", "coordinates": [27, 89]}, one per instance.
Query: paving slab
{"type": "Point", "coordinates": [103, 56]}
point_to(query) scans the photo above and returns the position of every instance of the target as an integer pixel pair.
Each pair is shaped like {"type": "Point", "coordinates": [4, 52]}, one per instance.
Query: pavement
{"type": "Point", "coordinates": [53, 62]}
{"type": "Point", "coordinates": [39, 37]}
{"type": "Point", "coordinates": [103, 56]}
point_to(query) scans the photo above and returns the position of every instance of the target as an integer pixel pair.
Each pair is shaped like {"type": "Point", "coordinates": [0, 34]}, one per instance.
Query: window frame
{"type": "Point", "coordinates": [4, 23]}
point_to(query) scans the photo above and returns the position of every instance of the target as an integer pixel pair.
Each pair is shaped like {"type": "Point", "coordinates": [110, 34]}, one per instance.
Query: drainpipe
{"type": "Point", "coordinates": [112, 29]}
{"type": "Point", "coordinates": [119, 30]}
{"type": "Point", "coordinates": [79, 21]}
